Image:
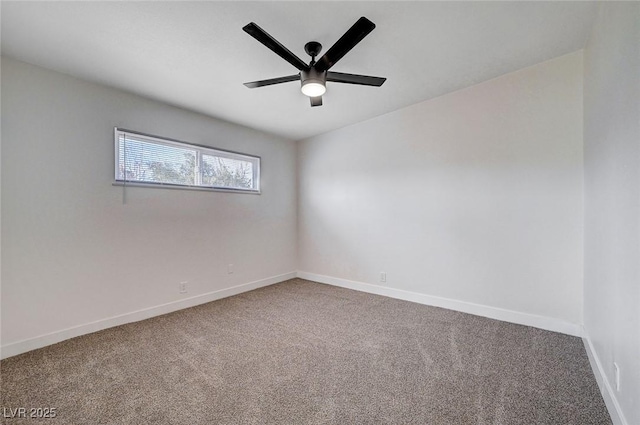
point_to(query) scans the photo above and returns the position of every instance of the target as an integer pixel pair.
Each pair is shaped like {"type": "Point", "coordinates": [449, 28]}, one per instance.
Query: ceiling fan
{"type": "Point", "coordinates": [315, 75]}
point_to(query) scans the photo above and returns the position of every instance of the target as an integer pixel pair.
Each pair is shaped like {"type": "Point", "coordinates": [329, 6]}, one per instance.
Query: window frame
{"type": "Point", "coordinates": [199, 149]}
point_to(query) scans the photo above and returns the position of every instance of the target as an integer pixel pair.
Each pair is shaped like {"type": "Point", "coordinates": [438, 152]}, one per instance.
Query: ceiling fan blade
{"type": "Point", "coordinates": [316, 101]}
{"type": "Point", "coordinates": [262, 83]}
{"type": "Point", "coordinates": [263, 37]}
{"type": "Point", "coordinates": [364, 80]}
{"type": "Point", "coordinates": [353, 36]}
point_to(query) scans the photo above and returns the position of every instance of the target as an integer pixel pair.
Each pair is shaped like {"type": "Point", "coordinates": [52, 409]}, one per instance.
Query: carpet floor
{"type": "Point", "coordinates": [305, 353]}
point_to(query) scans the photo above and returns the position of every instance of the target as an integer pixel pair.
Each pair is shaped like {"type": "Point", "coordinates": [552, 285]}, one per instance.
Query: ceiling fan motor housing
{"type": "Point", "coordinates": [313, 76]}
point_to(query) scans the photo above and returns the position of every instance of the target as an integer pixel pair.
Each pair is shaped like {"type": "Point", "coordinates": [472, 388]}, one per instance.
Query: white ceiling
{"type": "Point", "coordinates": [195, 54]}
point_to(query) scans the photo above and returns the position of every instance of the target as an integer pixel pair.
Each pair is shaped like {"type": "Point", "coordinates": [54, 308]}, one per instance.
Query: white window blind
{"type": "Point", "coordinates": [150, 160]}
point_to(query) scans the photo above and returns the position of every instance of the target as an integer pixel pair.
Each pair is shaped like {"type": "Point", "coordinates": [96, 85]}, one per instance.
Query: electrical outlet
{"type": "Point", "coordinates": [230, 269]}
{"type": "Point", "coordinates": [183, 287]}
{"type": "Point", "coordinates": [383, 277]}
{"type": "Point", "coordinates": [617, 375]}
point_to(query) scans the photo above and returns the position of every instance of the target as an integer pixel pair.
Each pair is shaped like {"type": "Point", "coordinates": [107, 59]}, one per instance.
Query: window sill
{"type": "Point", "coordinates": [181, 187]}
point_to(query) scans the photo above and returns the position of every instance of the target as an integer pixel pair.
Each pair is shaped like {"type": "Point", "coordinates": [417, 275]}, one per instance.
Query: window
{"type": "Point", "coordinates": [148, 160]}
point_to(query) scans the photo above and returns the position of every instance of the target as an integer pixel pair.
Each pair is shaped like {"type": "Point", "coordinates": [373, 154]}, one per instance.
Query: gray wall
{"type": "Point", "coordinates": [475, 196]}
{"type": "Point", "coordinates": [73, 253]}
{"type": "Point", "coordinates": [612, 198]}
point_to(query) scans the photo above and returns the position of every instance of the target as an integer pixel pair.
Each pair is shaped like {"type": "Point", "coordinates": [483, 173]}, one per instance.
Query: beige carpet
{"type": "Point", "coordinates": [305, 353]}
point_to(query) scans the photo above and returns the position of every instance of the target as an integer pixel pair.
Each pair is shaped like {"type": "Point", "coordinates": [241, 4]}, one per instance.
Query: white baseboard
{"type": "Point", "coordinates": [23, 346]}
{"type": "Point", "coordinates": [541, 322]}
{"type": "Point", "coordinates": [617, 417]}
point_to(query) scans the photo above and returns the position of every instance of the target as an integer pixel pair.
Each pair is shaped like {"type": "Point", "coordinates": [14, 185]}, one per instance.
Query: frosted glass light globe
{"type": "Point", "coordinates": [313, 89]}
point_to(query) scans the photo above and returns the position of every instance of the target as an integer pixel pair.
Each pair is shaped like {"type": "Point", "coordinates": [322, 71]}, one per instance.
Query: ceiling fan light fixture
{"type": "Point", "coordinates": [313, 89]}
{"type": "Point", "coordinates": [313, 82]}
